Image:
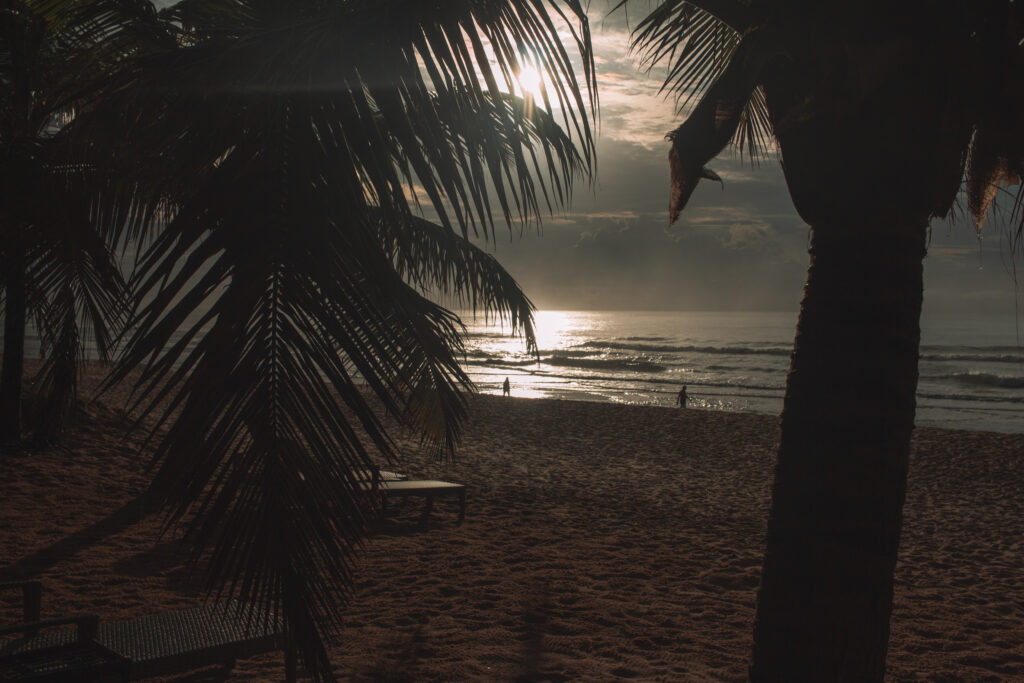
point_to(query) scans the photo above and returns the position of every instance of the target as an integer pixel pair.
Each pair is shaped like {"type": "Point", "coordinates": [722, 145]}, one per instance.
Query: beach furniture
{"type": "Point", "coordinates": [72, 656]}
{"type": "Point", "coordinates": [425, 488]}
{"type": "Point", "coordinates": [131, 649]}
{"type": "Point", "coordinates": [381, 475]}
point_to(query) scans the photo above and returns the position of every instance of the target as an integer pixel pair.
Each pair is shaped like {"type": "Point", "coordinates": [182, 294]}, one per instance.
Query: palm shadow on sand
{"type": "Point", "coordinates": [126, 516]}
{"type": "Point", "coordinates": [408, 518]}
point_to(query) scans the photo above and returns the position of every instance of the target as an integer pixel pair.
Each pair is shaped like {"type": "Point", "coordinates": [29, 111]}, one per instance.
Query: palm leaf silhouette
{"type": "Point", "coordinates": [282, 159]}
{"type": "Point", "coordinates": [77, 293]}
{"type": "Point", "coordinates": [58, 263]}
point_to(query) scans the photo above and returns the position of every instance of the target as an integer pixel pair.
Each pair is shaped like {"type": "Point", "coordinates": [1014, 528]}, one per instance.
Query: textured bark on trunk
{"type": "Point", "coordinates": [15, 298]}
{"type": "Point", "coordinates": [833, 531]}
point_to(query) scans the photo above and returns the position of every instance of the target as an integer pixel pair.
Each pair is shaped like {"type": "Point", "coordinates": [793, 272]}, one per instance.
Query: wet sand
{"type": "Point", "coordinates": [601, 542]}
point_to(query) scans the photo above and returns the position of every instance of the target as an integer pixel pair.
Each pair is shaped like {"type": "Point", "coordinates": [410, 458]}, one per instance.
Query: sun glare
{"type": "Point", "coordinates": [530, 82]}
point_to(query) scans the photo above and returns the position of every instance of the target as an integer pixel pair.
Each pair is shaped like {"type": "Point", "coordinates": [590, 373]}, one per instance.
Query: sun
{"type": "Point", "coordinates": [531, 82]}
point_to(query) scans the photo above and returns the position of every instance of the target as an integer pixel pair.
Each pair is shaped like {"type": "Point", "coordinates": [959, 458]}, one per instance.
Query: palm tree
{"type": "Point", "coordinates": [285, 159]}
{"type": "Point", "coordinates": [77, 293]}
{"type": "Point", "coordinates": [876, 109]}
{"type": "Point", "coordinates": [58, 266]}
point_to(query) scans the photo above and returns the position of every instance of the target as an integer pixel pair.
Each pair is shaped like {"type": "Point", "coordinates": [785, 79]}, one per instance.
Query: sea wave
{"type": "Point", "coordinates": [612, 383]}
{"type": "Point", "coordinates": [478, 356]}
{"type": "Point", "coordinates": [510, 363]}
{"type": "Point", "coordinates": [507, 334]}
{"type": "Point", "coordinates": [717, 367]}
{"type": "Point", "coordinates": [625, 364]}
{"type": "Point", "coordinates": [568, 353]}
{"type": "Point", "coordinates": [673, 348]}
{"type": "Point", "coordinates": [988, 379]}
{"type": "Point", "coordinates": [967, 397]}
{"type": "Point", "coordinates": [987, 354]}
{"type": "Point", "coordinates": [973, 357]}
{"type": "Point", "coordinates": [626, 382]}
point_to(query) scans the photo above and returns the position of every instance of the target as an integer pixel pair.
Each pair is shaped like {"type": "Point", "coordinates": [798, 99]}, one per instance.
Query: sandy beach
{"type": "Point", "coordinates": [601, 542]}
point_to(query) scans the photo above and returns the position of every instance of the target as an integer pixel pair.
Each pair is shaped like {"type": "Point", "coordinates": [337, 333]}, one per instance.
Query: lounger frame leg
{"type": "Point", "coordinates": [291, 662]}
{"type": "Point", "coordinates": [32, 603]}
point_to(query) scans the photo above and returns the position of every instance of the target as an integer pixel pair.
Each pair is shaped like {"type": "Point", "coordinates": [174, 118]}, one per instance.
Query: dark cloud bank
{"type": "Point", "coordinates": [741, 247]}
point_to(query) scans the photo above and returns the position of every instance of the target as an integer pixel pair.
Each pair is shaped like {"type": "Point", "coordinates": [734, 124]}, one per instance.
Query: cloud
{"type": "Point", "coordinates": [742, 175]}
{"type": "Point", "coordinates": [744, 236]}
{"type": "Point", "coordinates": [632, 107]}
{"type": "Point", "coordinates": [615, 215]}
{"type": "Point", "coordinates": [718, 216]}
{"type": "Point", "coordinates": [739, 247]}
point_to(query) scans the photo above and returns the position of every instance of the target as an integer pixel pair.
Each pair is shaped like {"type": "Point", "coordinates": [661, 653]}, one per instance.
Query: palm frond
{"type": "Point", "coordinates": [439, 261]}
{"type": "Point", "coordinates": [754, 134]}
{"type": "Point", "coordinates": [715, 119]}
{"type": "Point", "coordinates": [996, 152]}
{"type": "Point", "coordinates": [78, 295]}
{"type": "Point", "coordinates": [388, 88]}
{"type": "Point", "coordinates": [49, 65]}
{"type": "Point", "coordinates": [72, 255]}
{"type": "Point", "coordinates": [278, 323]}
{"type": "Point", "coordinates": [270, 384]}
{"type": "Point", "coordinates": [697, 41]}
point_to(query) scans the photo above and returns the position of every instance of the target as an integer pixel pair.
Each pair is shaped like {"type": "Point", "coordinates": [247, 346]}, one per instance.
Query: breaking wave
{"type": "Point", "coordinates": [645, 339]}
{"type": "Point", "coordinates": [980, 354]}
{"type": "Point", "coordinates": [988, 379]}
{"type": "Point", "coordinates": [670, 348]}
{"type": "Point", "coordinates": [627, 364]}
{"type": "Point", "coordinates": [507, 363]}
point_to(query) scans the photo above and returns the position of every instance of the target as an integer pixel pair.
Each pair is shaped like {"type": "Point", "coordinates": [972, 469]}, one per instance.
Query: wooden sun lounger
{"type": "Point", "coordinates": [171, 642]}
{"type": "Point", "coordinates": [154, 645]}
{"type": "Point", "coordinates": [74, 655]}
{"type": "Point", "coordinates": [380, 475]}
{"type": "Point", "coordinates": [427, 488]}
{"type": "Point", "coordinates": [394, 485]}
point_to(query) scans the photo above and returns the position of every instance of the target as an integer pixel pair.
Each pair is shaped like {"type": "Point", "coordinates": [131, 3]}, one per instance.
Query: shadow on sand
{"type": "Point", "coordinates": [126, 516]}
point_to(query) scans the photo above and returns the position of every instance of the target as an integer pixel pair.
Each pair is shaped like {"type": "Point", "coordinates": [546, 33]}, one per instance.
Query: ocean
{"type": "Point", "coordinates": [971, 368]}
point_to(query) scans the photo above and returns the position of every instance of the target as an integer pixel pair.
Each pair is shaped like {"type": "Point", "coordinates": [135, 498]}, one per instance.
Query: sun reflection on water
{"type": "Point", "coordinates": [555, 331]}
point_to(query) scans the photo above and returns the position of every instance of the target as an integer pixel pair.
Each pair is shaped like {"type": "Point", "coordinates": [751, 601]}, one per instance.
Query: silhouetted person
{"type": "Point", "coordinates": [506, 388]}
{"type": "Point", "coordinates": [681, 399]}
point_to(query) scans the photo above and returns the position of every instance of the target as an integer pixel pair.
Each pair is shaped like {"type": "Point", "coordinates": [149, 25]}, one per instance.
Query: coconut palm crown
{"type": "Point", "coordinates": [300, 182]}
{"type": "Point", "coordinates": [879, 113]}
{"type": "Point", "coordinates": [57, 263]}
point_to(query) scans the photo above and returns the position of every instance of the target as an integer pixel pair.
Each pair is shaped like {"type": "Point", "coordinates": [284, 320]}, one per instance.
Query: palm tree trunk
{"type": "Point", "coordinates": [15, 296]}
{"type": "Point", "coordinates": [61, 384]}
{"type": "Point", "coordinates": [840, 481]}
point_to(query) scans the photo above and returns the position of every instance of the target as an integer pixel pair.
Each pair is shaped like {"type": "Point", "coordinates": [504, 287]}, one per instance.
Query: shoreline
{"type": "Point", "coordinates": [601, 541]}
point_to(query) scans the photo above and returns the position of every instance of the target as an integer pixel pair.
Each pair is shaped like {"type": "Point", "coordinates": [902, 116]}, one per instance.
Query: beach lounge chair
{"type": "Point", "coordinates": [427, 488]}
{"type": "Point", "coordinates": [430, 489]}
{"type": "Point", "coordinates": [75, 658]}
{"type": "Point", "coordinates": [154, 645]}
{"type": "Point", "coordinates": [379, 475]}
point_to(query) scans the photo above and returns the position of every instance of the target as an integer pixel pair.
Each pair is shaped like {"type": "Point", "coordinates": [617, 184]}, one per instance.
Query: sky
{"type": "Point", "coordinates": [740, 247]}
{"type": "Point", "coordinates": [737, 247]}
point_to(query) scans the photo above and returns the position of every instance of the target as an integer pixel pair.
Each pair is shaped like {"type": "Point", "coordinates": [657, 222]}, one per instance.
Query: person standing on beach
{"type": "Point", "coordinates": [506, 388]}
{"type": "Point", "coordinates": [681, 399]}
